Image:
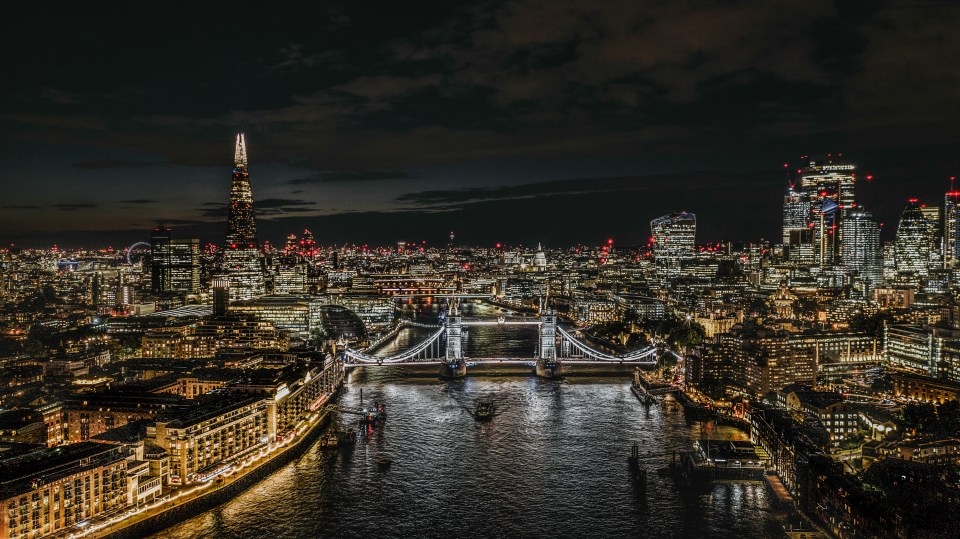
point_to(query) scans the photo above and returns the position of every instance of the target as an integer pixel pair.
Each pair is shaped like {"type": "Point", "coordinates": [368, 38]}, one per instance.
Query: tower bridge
{"type": "Point", "coordinates": [555, 346]}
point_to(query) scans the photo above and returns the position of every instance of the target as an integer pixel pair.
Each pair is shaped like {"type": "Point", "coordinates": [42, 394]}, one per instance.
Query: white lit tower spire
{"type": "Point", "coordinates": [241, 227]}
{"type": "Point", "coordinates": [241, 257]}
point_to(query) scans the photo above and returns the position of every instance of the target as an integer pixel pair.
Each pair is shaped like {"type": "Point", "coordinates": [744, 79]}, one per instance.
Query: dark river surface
{"type": "Point", "coordinates": [551, 463]}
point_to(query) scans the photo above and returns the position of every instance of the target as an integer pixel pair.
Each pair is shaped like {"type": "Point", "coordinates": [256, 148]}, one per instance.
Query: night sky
{"type": "Point", "coordinates": [555, 121]}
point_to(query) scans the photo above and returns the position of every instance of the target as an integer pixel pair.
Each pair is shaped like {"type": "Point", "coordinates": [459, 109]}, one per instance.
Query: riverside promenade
{"type": "Point", "coordinates": [178, 504]}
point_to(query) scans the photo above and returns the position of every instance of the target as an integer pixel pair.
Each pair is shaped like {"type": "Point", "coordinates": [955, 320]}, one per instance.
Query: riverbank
{"type": "Point", "coordinates": [181, 504]}
{"type": "Point", "coordinates": [548, 440]}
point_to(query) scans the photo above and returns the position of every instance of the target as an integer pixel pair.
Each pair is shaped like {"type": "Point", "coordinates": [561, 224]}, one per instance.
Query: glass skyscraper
{"type": "Point", "coordinates": [951, 229]}
{"type": "Point", "coordinates": [241, 257]}
{"type": "Point", "coordinates": [862, 252]}
{"type": "Point", "coordinates": [914, 241]}
{"type": "Point", "coordinates": [797, 233]}
{"type": "Point", "coordinates": [674, 240]}
{"type": "Point", "coordinates": [174, 263]}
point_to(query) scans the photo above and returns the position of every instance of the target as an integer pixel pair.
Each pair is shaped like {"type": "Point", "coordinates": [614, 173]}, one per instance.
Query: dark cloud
{"type": "Point", "coordinates": [22, 207]}
{"type": "Point", "coordinates": [73, 206]}
{"type": "Point", "coordinates": [572, 186]}
{"type": "Point", "coordinates": [266, 208]}
{"type": "Point", "coordinates": [182, 222]}
{"type": "Point", "coordinates": [140, 201]}
{"type": "Point", "coordinates": [353, 176]}
{"type": "Point", "coordinates": [481, 90]}
{"type": "Point", "coordinates": [281, 203]}
{"type": "Point", "coordinates": [111, 163]}
{"type": "Point", "coordinates": [59, 96]}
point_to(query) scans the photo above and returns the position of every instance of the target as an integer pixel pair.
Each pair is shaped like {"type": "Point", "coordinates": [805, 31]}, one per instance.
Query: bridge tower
{"type": "Point", "coordinates": [548, 365]}
{"type": "Point", "coordinates": [454, 366]}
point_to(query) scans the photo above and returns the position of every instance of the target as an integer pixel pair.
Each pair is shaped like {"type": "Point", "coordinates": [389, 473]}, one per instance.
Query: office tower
{"type": "Point", "coordinates": [862, 251]}
{"type": "Point", "coordinates": [174, 262]}
{"type": "Point", "coordinates": [797, 232]}
{"type": "Point", "coordinates": [308, 244]}
{"type": "Point", "coordinates": [159, 250]}
{"type": "Point", "coordinates": [220, 293]}
{"type": "Point", "coordinates": [913, 243]}
{"type": "Point", "coordinates": [828, 186]}
{"type": "Point", "coordinates": [932, 213]}
{"type": "Point", "coordinates": [951, 229]}
{"type": "Point", "coordinates": [241, 258]}
{"type": "Point", "coordinates": [674, 240]}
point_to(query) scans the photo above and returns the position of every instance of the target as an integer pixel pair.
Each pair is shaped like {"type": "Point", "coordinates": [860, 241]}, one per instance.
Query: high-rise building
{"type": "Point", "coordinates": [797, 233]}
{"type": "Point", "coordinates": [913, 243]}
{"type": "Point", "coordinates": [951, 229]}
{"type": "Point", "coordinates": [241, 257]}
{"type": "Point", "coordinates": [796, 212]}
{"type": "Point", "coordinates": [862, 251]}
{"type": "Point", "coordinates": [174, 262]}
{"type": "Point", "coordinates": [932, 213]}
{"type": "Point", "coordinates": [828, 185]}
{"type": "Point", "coordinates": [674, 240]}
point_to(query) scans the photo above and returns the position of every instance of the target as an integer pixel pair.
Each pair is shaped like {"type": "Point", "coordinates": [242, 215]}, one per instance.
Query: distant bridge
{"type": "Point", "coordinates": [556, 346]}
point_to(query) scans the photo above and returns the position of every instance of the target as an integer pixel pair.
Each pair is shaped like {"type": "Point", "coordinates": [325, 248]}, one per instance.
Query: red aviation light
{"type": "Point", "coordinates": [499, 246]}
{"type": "Point", "coordinates": [869, 177]}
{"type": "Point", "coordinates": [233, 245]}
{"type": "Point", "coordinates": [786, 165]}
{"type": "Point", "coordinates": [610, 241]}
{"type": "Point", "coordinates": [913, 200]}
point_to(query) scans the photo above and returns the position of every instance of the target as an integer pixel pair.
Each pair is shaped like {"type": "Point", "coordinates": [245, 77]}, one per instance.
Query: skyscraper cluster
{"type": "Point", "coordinates": [825, 229]}
{"type": "Point", "coordinates": [814, 208]}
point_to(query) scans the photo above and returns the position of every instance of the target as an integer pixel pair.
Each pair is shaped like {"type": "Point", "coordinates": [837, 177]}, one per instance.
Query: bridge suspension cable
{"type": "Point", "coordinates": [597, 355]}
{"type": "Point", "coordinates": [358, 356]}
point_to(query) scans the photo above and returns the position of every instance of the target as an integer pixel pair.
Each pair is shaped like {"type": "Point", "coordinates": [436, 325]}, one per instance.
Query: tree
{"type": "Point", "coordinates": [920, 416]}
{"type": "Point", "coordinates": [759, 307]}
{"type": "Point", "coordinates": [805, 308]}
{"type": "Point", "coordinates": [682, 334]}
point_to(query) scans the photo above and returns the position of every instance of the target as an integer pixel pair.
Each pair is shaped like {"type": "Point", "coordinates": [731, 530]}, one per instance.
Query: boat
{"type": "Point", "coordinates": [484, 411]}
{"type": "Point", "coordinates": [329, 441]}
{"type": "Point", "coordinates": [375, 416]}
{"type": "Point", "coordinates": [334, 439]}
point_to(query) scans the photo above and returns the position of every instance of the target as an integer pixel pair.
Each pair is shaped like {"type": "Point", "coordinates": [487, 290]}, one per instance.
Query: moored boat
{"type": "Point", "coordinates": [484, 411]}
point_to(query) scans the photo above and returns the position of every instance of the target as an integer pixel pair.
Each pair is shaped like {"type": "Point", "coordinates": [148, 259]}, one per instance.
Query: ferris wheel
{"type": "Point", "coordinates": [137, 251]}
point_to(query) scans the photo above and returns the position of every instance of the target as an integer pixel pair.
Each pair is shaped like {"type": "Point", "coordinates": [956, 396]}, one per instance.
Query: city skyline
{"type": "Point", "coordinates": [505, 268]}
{"type": "Point", "coordinates": [369, 131]}
{"type": "Point", "coordinates": [793, 178]}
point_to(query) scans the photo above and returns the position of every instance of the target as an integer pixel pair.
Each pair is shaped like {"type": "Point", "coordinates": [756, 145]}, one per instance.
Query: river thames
{"type": "Point", "coordinates": [551, 463]}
